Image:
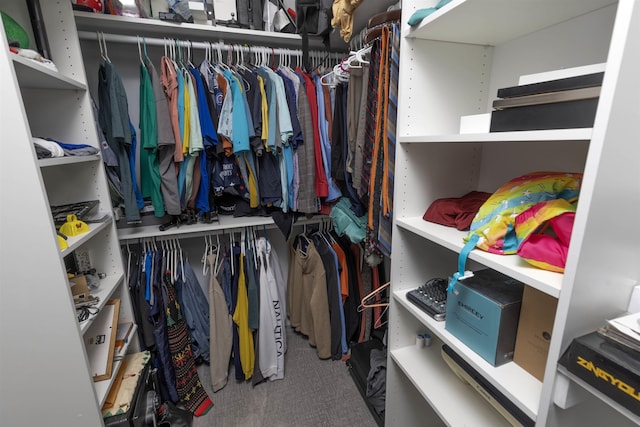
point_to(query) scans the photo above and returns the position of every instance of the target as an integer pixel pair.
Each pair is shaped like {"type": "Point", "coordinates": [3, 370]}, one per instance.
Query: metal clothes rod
{"type": "Point", "coordinates": [230, 48]}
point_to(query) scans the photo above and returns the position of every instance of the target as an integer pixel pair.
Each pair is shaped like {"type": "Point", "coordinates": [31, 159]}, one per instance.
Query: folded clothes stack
{"type": "Point", "coordinates": [48, 147]}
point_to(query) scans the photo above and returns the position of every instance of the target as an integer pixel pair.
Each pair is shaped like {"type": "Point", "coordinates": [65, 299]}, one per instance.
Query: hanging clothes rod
{"type": "Point", "coordinates": [227, 47]}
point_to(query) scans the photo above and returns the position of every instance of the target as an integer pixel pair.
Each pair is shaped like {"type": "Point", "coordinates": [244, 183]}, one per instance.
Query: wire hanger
{"type": "Point", "coordinates": [378, 320]}
{"type": "Point", "coordinates": [367, 302]}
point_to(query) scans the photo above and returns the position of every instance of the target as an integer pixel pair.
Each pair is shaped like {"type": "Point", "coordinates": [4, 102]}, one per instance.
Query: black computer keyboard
{"type": "Point", "coordinates": [431, 298]}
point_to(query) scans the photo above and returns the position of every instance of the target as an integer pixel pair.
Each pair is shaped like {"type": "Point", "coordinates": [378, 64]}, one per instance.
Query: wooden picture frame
{"type": "Point", "coordinates": [100, 340]}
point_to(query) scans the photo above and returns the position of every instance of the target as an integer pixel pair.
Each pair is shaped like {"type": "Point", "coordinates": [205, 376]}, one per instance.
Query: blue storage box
{"type": "Point", "coordinates": [483, 312]}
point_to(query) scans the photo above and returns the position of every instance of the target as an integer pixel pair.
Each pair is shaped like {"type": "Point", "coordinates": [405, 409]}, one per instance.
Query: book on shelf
{"type": "Point", "coordinates": [580, 113]}
{"type": "Point", "coordinates": [624, 331]}
{"type": "Point", "coordinates": [547, 97]}
{"type": "Point", "coordinates": [555, 85]}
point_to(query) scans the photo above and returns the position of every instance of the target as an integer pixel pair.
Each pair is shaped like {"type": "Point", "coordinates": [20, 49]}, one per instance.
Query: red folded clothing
{"type": "Point", "coordinates": [456, 212]}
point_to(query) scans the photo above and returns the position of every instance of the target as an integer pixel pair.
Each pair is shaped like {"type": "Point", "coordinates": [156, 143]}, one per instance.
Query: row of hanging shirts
{"type": "Point", "coordinates": [238, 316]}
{"type": "Point", "coordinates": [324, 291]}
{"type": "Point", "coordinates": [259, 57]}
{"type": "Point", "coordinates": [167, 301]}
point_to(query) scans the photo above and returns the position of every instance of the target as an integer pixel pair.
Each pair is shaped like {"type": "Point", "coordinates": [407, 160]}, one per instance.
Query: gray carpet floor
{"type": "Point", "coordinates": [314, 393]}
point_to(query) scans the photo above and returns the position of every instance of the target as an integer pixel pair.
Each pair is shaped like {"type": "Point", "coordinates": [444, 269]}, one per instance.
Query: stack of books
{"type": "Point", "coordinates": [562, 103]}
{"type": "Point", "coordinates": [623, 331]}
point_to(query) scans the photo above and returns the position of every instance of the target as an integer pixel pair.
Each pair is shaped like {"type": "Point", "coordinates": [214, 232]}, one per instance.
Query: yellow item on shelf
{"type": "Point", "coordinates": [73, 226]}
{"type": "Point", "coordinates": [62, 243]}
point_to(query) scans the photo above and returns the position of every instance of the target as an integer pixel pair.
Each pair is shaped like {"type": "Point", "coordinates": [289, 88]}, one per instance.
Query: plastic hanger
{"type": "Point", "coordinates": [255, 245]}
{"type": "Point", "coordinates": [140, 51]}
{"type": "Point", "coordinates": [144, 48]}
{"type": "Point", "coordinates": [217, 264]}
{"type": "Point", "coordinates": [306, 239]}
{"type": "Point", "coordinates": [102, 55]}
{"type": "Point", "coordinates": [182, 258]}
{"type": "Point", "coordinates": [359, 55]}
{"type": "Point", "coordinates": [231, 252]}
{"type": "Point", "coordinates": [129, 255]}
{"type": "Point", "coordinates": [103, 47]}
{"type": "Point", "coordinates": [204, 260]}
{"type": "Point", "coordinates": [324, 82]}
{"type": "Point", "coordinates": [190, 54]}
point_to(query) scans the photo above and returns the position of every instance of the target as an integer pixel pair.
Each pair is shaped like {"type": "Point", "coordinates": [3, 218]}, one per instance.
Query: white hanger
{"type": "Point", "coordinates": [218, 262]}
{"type": "Point", "coordinates": [103, 47]}
{"type": "Point", "coordinates": [361, 53]}
{"type": "Point", "coordinates": [102, 55]}
{"type": "Point", "coordinates": [139, 51]}
{"type": "Point", "coordinates": [128, 262]}
{"type": "Point", "coordinates": [231, 251]}
{"type": "Point", "coordinates": [204, 259]}
{"type": "Point", "coordinates": [182, 260]}
{"type": "Point", "coordinates": [324, 82]}
{"type": "Point", "coordinates": [174, 259]}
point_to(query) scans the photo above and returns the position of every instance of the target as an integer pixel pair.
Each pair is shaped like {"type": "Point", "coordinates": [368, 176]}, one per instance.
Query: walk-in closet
{"type": "Point", "coordinates": [319, 213]}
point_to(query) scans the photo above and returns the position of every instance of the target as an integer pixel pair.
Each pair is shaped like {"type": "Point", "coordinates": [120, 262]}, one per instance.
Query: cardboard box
{"type": "Point", "coordinates": [534, 331]}
{"type": "Point", "coordinates": [483, 311]}
{"type": "Point", "coordinates": [609, 368]}
{"type": "Point", "coordinates": [79, 287]}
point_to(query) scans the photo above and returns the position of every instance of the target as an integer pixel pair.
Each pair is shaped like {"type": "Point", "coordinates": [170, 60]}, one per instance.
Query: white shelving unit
{"type": "Point", "coordinates": [452, 64]}
{"type": "Point", "coordinates": [123, 25]}
{"type": "Point", "coordinates": [44, 370]}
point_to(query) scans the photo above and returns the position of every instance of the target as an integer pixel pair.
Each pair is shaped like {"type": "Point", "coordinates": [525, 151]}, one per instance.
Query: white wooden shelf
{"type": "Point", "coordinates": [588, 387]}
{"type": "Point", "coordinates": [225, 223]}
{"type": "Point", "coordinates": [477, 22]}
{"type": "Point", "coordinates": [430, 374]}
{"type": "Point", "coordinates": [66, 160]}
{"type": "Point", "coordinates": [74, 242]}
{"type": "Point", "coordinates": [558, 135]}
{"type": "Point", "coordinates": [107, 287]}
{"type": "Point", "coordinates": [34, 75]}
{"type": "Point", "coordinates": [124, 25]}
{"type": "Point", "coordinates": [103, 387]}
{"type": "Point", "coordinates": [512, 265]}
{"type": "Point", "coordinates": [520, 387]}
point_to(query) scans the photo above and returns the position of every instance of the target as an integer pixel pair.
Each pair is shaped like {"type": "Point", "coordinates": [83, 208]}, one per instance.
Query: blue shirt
{"type": "Point", "coordinates": [334, 191]}
{"type": "Point", "coordinates": [209, 140]}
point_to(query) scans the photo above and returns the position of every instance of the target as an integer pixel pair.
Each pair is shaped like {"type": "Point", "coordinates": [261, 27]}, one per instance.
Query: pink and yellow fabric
{"type": "Point", "coordinates": [495, 221]}
{"type": "Point", "coordinates": [544, 232]}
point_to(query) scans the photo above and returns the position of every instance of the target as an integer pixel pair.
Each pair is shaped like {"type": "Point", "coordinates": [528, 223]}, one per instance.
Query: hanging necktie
{"type": "Point", "coordinates": [370, 120]}
{"type": "Point", "coordinates": [380, 138]}
{"type": "Point", "coordinates": [391, 107]}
